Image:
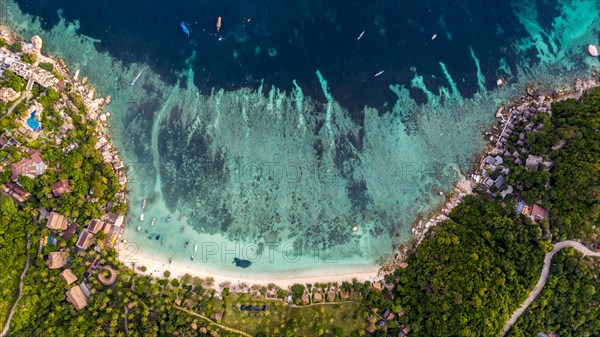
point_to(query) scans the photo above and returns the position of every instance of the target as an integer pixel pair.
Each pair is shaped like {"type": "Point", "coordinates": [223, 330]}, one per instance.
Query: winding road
{"type": "Point", "coordinates": [544, 277]}
{"type": "Point", "coordinates": [12, 310]}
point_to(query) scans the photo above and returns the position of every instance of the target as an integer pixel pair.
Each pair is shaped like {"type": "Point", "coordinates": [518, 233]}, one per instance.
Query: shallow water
{"type": "Point", "coordinates": [277, 139]}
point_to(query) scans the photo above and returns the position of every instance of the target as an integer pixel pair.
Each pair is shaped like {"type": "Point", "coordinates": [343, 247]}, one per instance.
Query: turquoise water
{"type": "Point", "coordinates": [279, 174]}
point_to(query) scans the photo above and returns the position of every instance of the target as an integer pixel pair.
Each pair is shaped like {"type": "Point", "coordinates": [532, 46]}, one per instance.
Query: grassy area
{"type": "Point", "coordinates": [317, 320]}
{"type": "Point", "coordinates": [270, 321]}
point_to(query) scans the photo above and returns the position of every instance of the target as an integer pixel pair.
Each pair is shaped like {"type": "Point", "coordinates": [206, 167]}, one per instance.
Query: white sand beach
{"type": "Point", "coordinates": [339, 273]}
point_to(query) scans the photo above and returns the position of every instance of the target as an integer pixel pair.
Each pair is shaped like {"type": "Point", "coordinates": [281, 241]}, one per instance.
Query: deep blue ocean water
{"type": "Point", "coordinates": [274, 132]}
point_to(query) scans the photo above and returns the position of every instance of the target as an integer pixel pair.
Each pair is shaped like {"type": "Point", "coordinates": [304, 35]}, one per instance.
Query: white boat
{"type": "Point", "coordinates": [142, 217]}
{"type": "Point", "coordinates": [361, 35]}
{"type": "Point", "coordinates": [139, 228]}
{"type": "Point", "coordinates": [153, 221]}
{"type": "Point", "coordinates": [136, 78]}
{"type": "Point", "coordinates": [433, 37]}
{"type": "Point", "coordinates": [378, 74]}
{"type": "Point", "coordinates": [196, 248]}
{"type": "Point", "coordinates": [144, 204]}
{"type": "Point", "coordinates": [192, 257]}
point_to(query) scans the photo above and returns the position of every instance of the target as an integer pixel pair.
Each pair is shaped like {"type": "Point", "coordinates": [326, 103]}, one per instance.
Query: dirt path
{"type": "Point", "coordinates": [12, 310]}
{"type": "Point", "coordinates": [215, 323]}
{"type": "Point", "coordinates": [544, 277]}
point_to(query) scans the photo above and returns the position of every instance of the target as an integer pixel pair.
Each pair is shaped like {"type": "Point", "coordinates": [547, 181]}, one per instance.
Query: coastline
{"type": "Point", "coordinates": [362, 273]}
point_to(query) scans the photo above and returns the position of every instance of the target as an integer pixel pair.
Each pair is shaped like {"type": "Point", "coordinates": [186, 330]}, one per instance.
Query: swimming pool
{"type": "Point", "coordinates": [33, 123]}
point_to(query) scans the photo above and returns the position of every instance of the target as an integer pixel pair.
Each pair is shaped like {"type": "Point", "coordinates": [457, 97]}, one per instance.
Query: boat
{"type": "Point", "coordinates": [133, 83]}
{"type": "Point", "coordinates": [184, 28]}
{"type": "Point", "coordinates": [158, 237]}
{"type": "Point", "coordinates": [219, 24]}
{"type": "Point", "coordinates": [192, 257]}
{"type": "Point", "coordinates": [144, 202]}
{"type": "Point", "coordinates": [361, 35]}
{"type": "Point", "coordinates": [170, 259]}
{"type": "Point", "coordinates": [168, 218]}
{"type": "Point", "coordinates": [186, 244]}
{"type": "Point", "coordinates": [433, 37]}
{"type": "Point", "coordinates": [153, 221]}
{"type": "Point", "coordinates": [139, 229]}
{"type": "Point", "coordinates": [196, 248]}
{"type": "Point", "coordinates": [379, 73]}
{"type": "Point", "coordinates": [142, 217]}
{"type": "Point", "coordinates": [164, 238]}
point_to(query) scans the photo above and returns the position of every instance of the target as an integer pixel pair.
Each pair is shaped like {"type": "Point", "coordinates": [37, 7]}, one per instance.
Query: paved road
{"type": "Point", "coordinates": [12, 310]}
{"type": "Point", "coordinates": [544, 277]}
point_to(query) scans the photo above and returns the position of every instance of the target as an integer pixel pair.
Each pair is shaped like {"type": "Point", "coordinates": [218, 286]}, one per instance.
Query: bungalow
{"type": "Point", "coordinates": [330, 296]}
{"type": "Point", "coordinates": [217, 316]}
{"type": "Point", "coordinates": [377, 286]}
{"type": "Point", "coordinates": [305, 299]}
{"type": "Point", "coordinates": [61, 187]}
{"type": "Point", "coordinates": [30, 167]}
{"type": "Point", "coordinates": [68, 276]}
{"type": "Point", "coordinates": [57, 259]}
{"type": "Point", "coordinates": [96, 225]}
{"type": "Point", "coordinates": [390, 316]}
{"type": "Point", "coordinates": [85, 240]}
{"type": "Point", "coordinates": [57, 221]}
{"type": "Point", "coordinates": [70, 231]}
{"type": "Point", "coordinates": [539, 213]}
{"type": "Point", "coordinates": [372, 319]}
{"type": "Point", "coordinates": [317, 297]}
{"type": "Point", "coordinates": [76, 297]}
{"type": "Point", "coordinates": [371, 329]}
{"type": "Point", "coordinates": [533, 162]}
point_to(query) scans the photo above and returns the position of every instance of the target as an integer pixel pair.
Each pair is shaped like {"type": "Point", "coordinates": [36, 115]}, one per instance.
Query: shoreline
{"type": "Point", "coordinates": [372, 273]}
{"type": "Point", "coordinates": [156, 268]}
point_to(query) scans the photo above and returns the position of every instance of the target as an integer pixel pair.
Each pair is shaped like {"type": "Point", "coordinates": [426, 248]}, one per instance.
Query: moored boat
{"type": "Point", "coordinates": [153, 221]}
{"type": "Point", "coordinates": [196, 248]}
{"type": "Point", "coordinates": [142, 217]}
{"type": "Point", "coordinates": [139, 229]}
{"type": "Point", "coordinates": [184, 28]}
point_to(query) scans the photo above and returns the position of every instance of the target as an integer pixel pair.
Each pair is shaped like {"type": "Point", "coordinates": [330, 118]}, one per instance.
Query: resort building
{"type": "Point", "coordinates": [68, 276]}
{"type": "Point", "coordinates": [535, 212]}
{"type": "Point", "coordinates": [57, 221]}
{"type": "Point", "coordinates": [15, 192]}
{"type": "Point", "coordinates": [76, 297]}
{"type": "Point", "coordinates": [61, 187]}
{"type": "Point", "coordinates": [31, 72]}
{"type": "Point", "coordinates": [85, 240]}
{"type": "Point", "coordinates": [29, 167]}
{"type": "Point", "coordinates": [96, 225]}
{"type": "Point", "coordinates": [57, 259]}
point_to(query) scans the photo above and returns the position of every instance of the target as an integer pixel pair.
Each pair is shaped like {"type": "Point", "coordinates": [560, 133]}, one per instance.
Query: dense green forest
{"type": "Point", "coordinates": [12, 251]}
{"type": "Point", "coordinates": [471, 272]}
{"type": "Point", "coordinates": [569, 305]}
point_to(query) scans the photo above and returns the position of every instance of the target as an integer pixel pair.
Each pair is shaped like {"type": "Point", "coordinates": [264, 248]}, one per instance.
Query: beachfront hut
{"type": "Point", "coordinates": [317, 297]}
{"type": "Point", "coordinates": [57, 259]}
{"type": "Point", "coordinates": [377, 286]}
{"type": "Point", "coordinates": [68, 276]}
{"type": "Point", "coordinates": [76, 297]}
{"type": "Point", "coordinates": [305, 299]}
{"type": "Point", "coordinates": [330, 296]}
